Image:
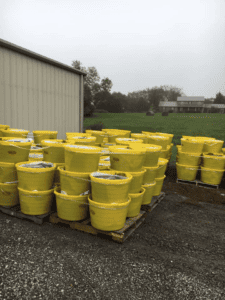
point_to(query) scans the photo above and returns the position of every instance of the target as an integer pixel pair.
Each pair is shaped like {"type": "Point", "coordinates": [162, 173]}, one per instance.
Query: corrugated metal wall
{"type": "Point", "coordinates": [35, 95]}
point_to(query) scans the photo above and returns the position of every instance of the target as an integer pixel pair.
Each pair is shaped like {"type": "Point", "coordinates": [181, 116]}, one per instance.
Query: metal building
{"type": "Point", "coordinates": [38, 93]}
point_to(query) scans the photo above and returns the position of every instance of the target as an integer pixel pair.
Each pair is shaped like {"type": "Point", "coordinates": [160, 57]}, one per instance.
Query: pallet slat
{"type": "Point", "coordinates": [118, 235]}
{"type": "Point", "coordinates": [198, 183]}
{"type": "Point", "coordinates": [16, 212]}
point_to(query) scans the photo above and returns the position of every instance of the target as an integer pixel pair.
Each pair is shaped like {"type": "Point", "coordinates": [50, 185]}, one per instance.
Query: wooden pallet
{"type": "Point", "coordinates": [199, 183]}
{"type": "Point", "coordinates": [16, 212]}
{"type": "Point", "coordinates": [155, 201]}
{"type": "Point", "coordinates": [118, 236]}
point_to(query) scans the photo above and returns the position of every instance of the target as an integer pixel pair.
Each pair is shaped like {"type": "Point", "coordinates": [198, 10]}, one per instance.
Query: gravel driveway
{"type": "Point", "coordinates": [178, 253]}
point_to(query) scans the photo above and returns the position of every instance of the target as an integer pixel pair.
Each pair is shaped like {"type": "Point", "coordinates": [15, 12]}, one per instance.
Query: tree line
{"type": "Point", "coordinates": [98, 96]}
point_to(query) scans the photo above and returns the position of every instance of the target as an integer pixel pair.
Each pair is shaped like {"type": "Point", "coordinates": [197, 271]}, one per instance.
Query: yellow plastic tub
{"type": "Point", "coordinates": [140, 136]}
{"type": "Point", "coordinates": [7, 172]}
{"type": "Point", "coordinates": [223, 150]}
{"type": "Point", "coordinates": [35, 157]}
{"type": "Point", "coordinates": [84, 159]}
{"type": "Point", "coordinates": [137, 181]}
{"type": "Point", "coordinates": [135, 204]}
{"type": "Point", "coordinates": [13, 132]}
{"type": "Point", "coordinates": [70, 207]}
{"type": "Point", "coordinates": [213, 161]}
{"type": "Point", "coordinates": [83, 140]}
{"type": "Point", "coordinates": [108, 217]}
{"type": "Point", "coordinates": [98, 134]}
{"type": "Point", "coordinates": [69, 135]}
{"type": "Point", "coordinates": [158, 186]}
{"type": "Point", "coordinates": [213, 146]}
{"type": "Point", "coordinates": [162, 167]}
{"type": "Point", "coordinates": [74, 183]}
{"type": "Point", "coordinates": [35, 202]}
{"type": "Point", "coordinates": [189, 159]}
{"type": "Point", "coordinates": [53, 151]}
{"type": "Point", "coordinates": [107, 190]}
{"type": "Point", "coordinates": [149, 189]}
{"type": "Point", "coordinates": [4, 127]}
{"type": "Point", "coordinates": [186, 172]}
{"type": "Point", "coordinates": [211, 176]}
{"type": "Point", "coordinates": [40, 135]}
{"type": "Point", "coordinates": [12, 152]}
{"type": "Point", "coordinates": [127, 160]}
{"type": "Point", "coordinates": [159, 140]}
{"type": "Point", "coordinates": [152, 153]}
{"type": "Point", "coordinates": [32, 178]}
{"type": "Point", "coordinates": [127, 141]}
{"type": "Point", "coordinates": [9, 194]}
{"type": "Point", "coordinates": [56, 180]}
{"type": "Point", "coordinates": [150, 175]}
{"type": "Point", "coordinates": [192, 146]}
{"type": "Point", "coordinates": [170, 136]}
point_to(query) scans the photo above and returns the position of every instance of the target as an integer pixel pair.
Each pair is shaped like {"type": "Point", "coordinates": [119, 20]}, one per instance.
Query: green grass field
{"type": "Point", "coordinates": [211, 125]}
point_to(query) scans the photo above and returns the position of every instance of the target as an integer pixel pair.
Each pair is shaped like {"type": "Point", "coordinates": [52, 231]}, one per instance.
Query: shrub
{"type": "Point", "coordinates": [165, 114]}
{"type": "Point", "coordinates": [97, 126]}
{"type": "Point", "coordinates": [101, 111]}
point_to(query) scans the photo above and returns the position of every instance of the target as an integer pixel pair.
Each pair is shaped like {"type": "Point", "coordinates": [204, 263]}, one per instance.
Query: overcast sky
{"type": "Point", "coordinates": [137, 44]}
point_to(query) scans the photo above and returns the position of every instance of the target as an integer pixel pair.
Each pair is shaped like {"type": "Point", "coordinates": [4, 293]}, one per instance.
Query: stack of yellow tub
{"type": "Point", "coordinates": [189, 158]}
{"type": "Point", "coordinates": [35, 185]}
{"type": "Point", "coordinates": [161, 139]}
{"type": "Point", "coordinates": [11, 152]}
{"type": "Point", "coordinates": [109, 200]}
{"type": "Point", "coordinates": [72, 195]}
{"type": "Point", "coordinates": [200, 151]}
{"type": "Point", "coordinates": [131, 160]}
{"type": "Point", "coordinates": [155, 168]}
{"type": "Point", "coordinates": [212, 168]}
{"type": "Point", "coordinates": [53, 151]}
{"type": "Point", "coordinates": [213, 162]}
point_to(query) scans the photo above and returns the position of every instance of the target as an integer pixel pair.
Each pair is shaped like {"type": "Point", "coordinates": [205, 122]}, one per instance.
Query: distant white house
{"type": "Point", "coordinates": [190, 104]}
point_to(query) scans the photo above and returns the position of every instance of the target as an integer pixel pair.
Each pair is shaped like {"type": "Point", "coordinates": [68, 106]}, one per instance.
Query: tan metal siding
{"type": "Point", "coordinates": [38, 96]}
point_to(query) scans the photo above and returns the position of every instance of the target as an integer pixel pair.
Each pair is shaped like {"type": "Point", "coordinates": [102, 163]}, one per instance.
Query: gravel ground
{"type": "Point", "coordinates": [177, 253]}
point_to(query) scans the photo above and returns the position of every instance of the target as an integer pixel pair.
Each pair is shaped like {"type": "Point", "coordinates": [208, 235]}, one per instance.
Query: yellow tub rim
{"type": "Point", "coordinates": [74, 198]}
{"type": "Point", "coordinates": [127, 179]}
{"type": "Point", "coordinates": [83, 149]}
{"type": "Point", "coordinates": [19, 167]}
{"type": "Point", "coordinates": [109, 206]}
